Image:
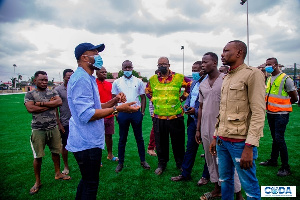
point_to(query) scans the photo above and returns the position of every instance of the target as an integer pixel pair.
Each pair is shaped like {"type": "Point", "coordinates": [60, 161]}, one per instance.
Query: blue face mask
{"type": "Point", "coordinates": [196, 76]}
{"type": "Point", "coordinates": [269, 69]}
{"type": "Point", "coordinates": [127, 73]}
{"type": "Point", "coordinates": [98, 62]}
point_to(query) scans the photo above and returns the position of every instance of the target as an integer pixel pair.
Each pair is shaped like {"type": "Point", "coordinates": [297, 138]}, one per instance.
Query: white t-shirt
{"type": "Point", "coordinates": [132, 88]}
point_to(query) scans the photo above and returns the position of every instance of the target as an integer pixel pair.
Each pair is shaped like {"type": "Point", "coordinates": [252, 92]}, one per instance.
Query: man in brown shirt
{"type": "Point", "coordinates": [240, 122]}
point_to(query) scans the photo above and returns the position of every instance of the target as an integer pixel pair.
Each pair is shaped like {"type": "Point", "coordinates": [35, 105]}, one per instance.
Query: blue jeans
{"type": "Point", "coordinates": [229, 154]}
{"type": "Point", "coordinates": [89, 162]}
{"type": "Point", "coordinates": [124, 120]}
{"type": "Point", "coordinates": [190, 154]}
{"type": "Point", "coordinates": [277, 124]}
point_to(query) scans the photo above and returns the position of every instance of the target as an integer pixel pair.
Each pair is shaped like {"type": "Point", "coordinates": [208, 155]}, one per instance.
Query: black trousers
{"type": "Point", "coordinates": [89, 162]}
{"type": "Point", "coordinates": [176, 130]}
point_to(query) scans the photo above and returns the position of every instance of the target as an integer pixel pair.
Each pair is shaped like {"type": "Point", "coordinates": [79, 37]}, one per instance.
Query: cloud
{"type": "Point", "coordinates": [39, 34]}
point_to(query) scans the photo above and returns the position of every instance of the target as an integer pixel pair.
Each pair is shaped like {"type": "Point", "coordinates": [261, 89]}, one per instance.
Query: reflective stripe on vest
{"type": "Point", "coordinates": [277, 99]}
{"type": "Point", "coordinates": [166, 96]}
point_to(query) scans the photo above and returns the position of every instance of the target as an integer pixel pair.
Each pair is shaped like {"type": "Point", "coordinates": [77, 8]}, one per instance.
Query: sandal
{"type": "Point", "coordinates": [34, 189]}
{"type": "Point", "coordinates": [208, 195]}
{"type": "Point", "coordinates": [65, 172]}
{"type": "Point", "coordinates": [63, 177]}
{"type": "Point", "coordinates": [113, 159]}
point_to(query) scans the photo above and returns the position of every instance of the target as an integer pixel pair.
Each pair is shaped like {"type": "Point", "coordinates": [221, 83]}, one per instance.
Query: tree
{"type": "Point", "coordinates": [109, 75]}
{"type": "Point", "coordinates": [31, 80]}
{"type": "Point", "coordinates": [51, 83]}
{"type": "Point", "coordinates": [134, 73]}
{"type": "Point", "coordinates": [13, 80]}
{"type": "Point", "coordinates": [144, 79]}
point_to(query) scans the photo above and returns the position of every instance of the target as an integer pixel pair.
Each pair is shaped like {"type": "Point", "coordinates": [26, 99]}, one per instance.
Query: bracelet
{"type": "Point", "coordinates": [115, 112]}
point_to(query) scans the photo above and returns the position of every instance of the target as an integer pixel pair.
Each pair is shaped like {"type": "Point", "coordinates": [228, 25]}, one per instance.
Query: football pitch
{"type": "Point", "coordinates": [133, 182]}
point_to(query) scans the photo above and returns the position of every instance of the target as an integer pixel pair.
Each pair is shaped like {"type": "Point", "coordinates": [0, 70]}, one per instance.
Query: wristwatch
{"type": "Point", "coordinates": [115, 110]}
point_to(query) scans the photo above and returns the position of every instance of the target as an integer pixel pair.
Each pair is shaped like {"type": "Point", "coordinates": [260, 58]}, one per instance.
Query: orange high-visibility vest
{"type": "Point", "coordinates": [277, 99]}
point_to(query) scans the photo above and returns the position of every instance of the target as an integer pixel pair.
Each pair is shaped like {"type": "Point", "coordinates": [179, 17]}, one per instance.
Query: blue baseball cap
{"type": "Point", "coordinates": [83, 47]}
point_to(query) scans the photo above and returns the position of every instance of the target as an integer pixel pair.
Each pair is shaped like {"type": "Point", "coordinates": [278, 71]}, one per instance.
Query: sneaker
{"type": "Point", "coordinates": [202, 181]}
{"type": "Point", "coordinates": [283, 172]}
{"type": "Point", "coordinates": [145, 165]}
{"type": "Point", "coordinates": [269, 163]}
{"type": "Point", "coordinates": [159, 171]}
{"type": "Point", "coordinates": [119, 168]}
{"type": "Point", "coordinates": [180, 178]}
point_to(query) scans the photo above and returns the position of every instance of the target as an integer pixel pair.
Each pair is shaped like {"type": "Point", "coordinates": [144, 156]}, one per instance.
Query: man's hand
{"type": "Point", "coordinates": [121, 97]}
{"type": "Point", "coordinates": [61, 128]}
{"type": "Point", "coordinates": [212, 147]}
{"type": "Point", "coordinates": [198, 137]}
{"type": "Point", "coordinates": [127, 107]}
{"type": "Point", "coordinates": [247, 158]}
{"type": "Point", "coordinates": [191, 111]}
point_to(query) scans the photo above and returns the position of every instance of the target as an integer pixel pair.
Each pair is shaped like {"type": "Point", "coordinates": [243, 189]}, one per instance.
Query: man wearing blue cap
{"type": "Point", "coordinates": [86, 135]}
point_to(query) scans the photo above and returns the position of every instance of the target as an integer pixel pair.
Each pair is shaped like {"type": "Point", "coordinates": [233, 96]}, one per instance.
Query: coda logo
{"type": "Point", "coordinates": [278, 191]}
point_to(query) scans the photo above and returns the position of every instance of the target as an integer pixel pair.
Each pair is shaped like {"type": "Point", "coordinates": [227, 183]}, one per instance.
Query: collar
{"type": "Point", "coordinates": [237, 68]}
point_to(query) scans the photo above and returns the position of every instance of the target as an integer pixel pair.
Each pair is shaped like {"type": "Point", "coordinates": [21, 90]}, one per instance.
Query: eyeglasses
{"type": "Point", "coordinates": [163, 64]}
{"type": "Point", "coordinates": [104, 72]}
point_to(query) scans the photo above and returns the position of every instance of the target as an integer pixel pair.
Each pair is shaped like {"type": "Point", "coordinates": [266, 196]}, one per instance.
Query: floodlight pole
{"type": "Point", "coordinates": [15, 75]}
{"type": "Point", "coordinates": [248, 34]}
{"type": "Point", "coordinates": [295, 71]}
{"type": "Point", "coordinates": [182, 48]}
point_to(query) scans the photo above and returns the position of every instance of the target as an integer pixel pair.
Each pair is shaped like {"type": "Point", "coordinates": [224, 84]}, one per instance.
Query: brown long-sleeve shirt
{"type": "Point", "coordinates": [242, 106]}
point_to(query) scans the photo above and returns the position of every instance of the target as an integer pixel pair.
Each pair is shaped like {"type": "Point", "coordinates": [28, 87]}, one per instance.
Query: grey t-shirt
{"type": "Point", "coordinates": [45, 120]}
{"type": "Point", "coordinates": [288, 87]}
{"type": "Point", "coordinates": [64, 110]}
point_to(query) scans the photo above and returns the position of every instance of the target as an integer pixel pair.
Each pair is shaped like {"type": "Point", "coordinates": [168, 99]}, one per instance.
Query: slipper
{"type": "Point", "coordinates": [34, 189]}
{"type": "Point", "coordinates": [151, 152]}
{"type": "Point", "coordinates": [113, 159]}
{"type": "Point", "coordinates": [208, 195]}
{"type": "Point", "coordinates": [65, 172]}
{"type": "Point", "coordinates": [64, 177]}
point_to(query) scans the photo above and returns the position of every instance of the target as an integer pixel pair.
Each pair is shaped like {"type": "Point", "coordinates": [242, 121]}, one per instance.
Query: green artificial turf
{"type": "Point", "coordinates": [133, 182]}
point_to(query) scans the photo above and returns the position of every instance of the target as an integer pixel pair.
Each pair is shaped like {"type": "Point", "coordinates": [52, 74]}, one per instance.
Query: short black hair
{"type": "Point", "coordinates": [213, 55]}
{"type": "Point", "coordinates": [275, 59]}
{"type": "Point", "coordinates": [240, 46]}
{"type": "Point", "coordinates": [66, 71]}
{"type": "Point", "coordinates": [198, 63]}
{"type": "Point", "coordinates": [36, 74]}
{"type": "Point", "coordinates": [126, 61]}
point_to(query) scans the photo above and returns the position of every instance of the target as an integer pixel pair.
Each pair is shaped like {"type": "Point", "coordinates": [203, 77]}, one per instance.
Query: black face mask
{"type": "Point", "coordinates": [163, 70]}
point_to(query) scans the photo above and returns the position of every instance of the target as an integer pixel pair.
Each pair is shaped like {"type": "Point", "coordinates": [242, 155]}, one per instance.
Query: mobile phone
{"type": "Point", "coordinates": [187, 109]}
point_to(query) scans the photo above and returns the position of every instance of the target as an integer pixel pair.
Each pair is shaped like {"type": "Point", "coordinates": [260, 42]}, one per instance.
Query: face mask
{"type": "Point", "coordinates": [269, 69]}
{"type": "Point", "coordinates": [98, 62]}
{"type": "Point", "coordinates": [196, 76]}
{"type": "Point", "coordinates": [163, 70]}
{"type": "Point", "coordinates": [127, 73]}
